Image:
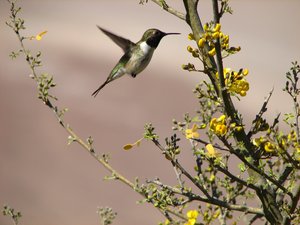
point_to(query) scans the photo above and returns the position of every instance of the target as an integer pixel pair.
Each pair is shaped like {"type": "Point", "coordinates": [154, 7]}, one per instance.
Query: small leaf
{"type": "Point", "coordinates": [40, 35]}
{"type": "Point", "coordinates": [71, 139]}
{"type": "Point", "coordinates": [127, 147]}
{"type": "Point", "coordinates": [242, 167]}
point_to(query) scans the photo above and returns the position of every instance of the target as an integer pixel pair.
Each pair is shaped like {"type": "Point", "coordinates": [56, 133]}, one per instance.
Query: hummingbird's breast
{"type": "Point", "coordinates": [139, 59]}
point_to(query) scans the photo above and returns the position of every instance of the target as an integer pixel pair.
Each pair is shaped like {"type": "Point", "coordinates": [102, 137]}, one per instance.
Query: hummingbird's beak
{"type": "Point", "coordinates": [165, 34]}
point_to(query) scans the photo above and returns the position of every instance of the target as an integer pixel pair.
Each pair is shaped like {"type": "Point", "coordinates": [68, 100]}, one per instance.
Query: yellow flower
{"type": "Point", "coordinates": [217, 214]}
{"type": "Point", "coordinates": [192, 216]}
{"type": "Point", "coordinates": [245, 72]}
{"type": "Point", "coordinates": [213, 123]}
{"type": "Point", "coordinates": [217, 27]}
{"type": "Point", "coordinates": [226, 70]}
{"type": "Point", "coordinates": [234, 126]}
{"type": "Point", "coordinates": [167, 222]}
{"type": "Point", "coordinates": [221, 119]}
{"type": "Point", "coordinates": [192, 133]}
{"type": "Point", "coordinates": [216, 35]}
{"type": "Point", "coordinates": [292, 136]}
{"type": "Point", "coordinates": [190, 49]}
{"type": "Point", "coordinates": [212, 52]}
{"type": "Point", "coordinates": [221, 129]}
{"type": "Point", "coordinates": [237, 85]}
{"type": "Point", "coordinates": [40, 35]}
{"type": "Point", "coordinates": [226, 39]}
{"type": "Point", "coordinates": [190, 222]}
{"type": "Point", "coordinates": [205, 27]}
{"type": "Point", "coordinates": [212, 178]}
{"type": "Point", "coordinates": [282, 143]}
{"type": "Point", "coordinates": [218, 125]}
{"type": "Point", "coordinates": [201, 42]}
{"type": "Point", "coordinates": [206, 36]}
{"type": "Point", "coordinates": [269, 147]}
{"type": "Point", "coordinates": [235, 81]}
{"type": "Point", "coordinates": [258, 141]}
{"type": "Point", "coordinates": [191, 36]}
{"type": "Point", "coordinates": [211, 152]}
{"type": "Point", "coordinates": [243, 93]}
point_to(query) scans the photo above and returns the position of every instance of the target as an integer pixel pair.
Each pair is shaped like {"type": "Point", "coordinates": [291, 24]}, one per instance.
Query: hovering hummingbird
{"type": "Point", "coordinates": [136, 55]}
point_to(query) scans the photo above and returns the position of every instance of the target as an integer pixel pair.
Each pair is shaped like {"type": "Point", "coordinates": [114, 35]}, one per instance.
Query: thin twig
{"type": "Point", "coordinates": [169, 9]}
{"type": "Point", "coordinates": [192, 197]}
{"type": "Point", "coordinates": [254, 168]}
{"type": "Point", "coordinates": [235, 178]}
{"type": "Point", "coordinates": [179, 166]}
{"type": "Point", "coordinates": [260, 114]}
{"type": "Point", "coordinates": [253, 219]}
{"type": "Point", "coordinates": [178, 176]}
{"type": "Point", "coordinates": [214, 145]}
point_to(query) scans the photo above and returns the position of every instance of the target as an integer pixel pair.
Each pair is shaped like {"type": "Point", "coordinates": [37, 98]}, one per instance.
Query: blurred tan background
{"type": "Point", "coordinates": [52, 183]}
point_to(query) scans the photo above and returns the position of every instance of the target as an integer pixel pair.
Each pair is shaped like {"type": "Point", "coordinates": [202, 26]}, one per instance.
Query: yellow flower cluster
{"type": "Point", "coordinates": [235, 81]}
{"type": "Point", "coordinates": [192, 216]}
{"type": "Point", "coordinates": [218, 125]}
{"type": "Point", "coordinates": [192, 133]}
{"type": "Point", "coordinates": [213, 33]}
{"type": "Point", "coordinates": [208, 37]}
{"type": "Point", "coordinates": [267, 145]}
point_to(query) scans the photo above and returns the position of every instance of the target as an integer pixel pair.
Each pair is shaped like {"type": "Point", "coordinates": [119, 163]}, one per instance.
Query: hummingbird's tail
{"type": "Point", "coordinates": [115, 74]}
{"type": "Point", "coordinates": [102, 86]}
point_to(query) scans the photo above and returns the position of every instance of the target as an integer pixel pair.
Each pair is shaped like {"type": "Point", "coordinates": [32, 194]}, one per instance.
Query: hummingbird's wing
{"type": "Point", "coordinates": [124, 43]}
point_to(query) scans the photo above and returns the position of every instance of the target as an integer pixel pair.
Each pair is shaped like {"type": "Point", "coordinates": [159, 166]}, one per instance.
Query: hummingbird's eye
{"type": "Point", "coordinates": [157, 32]}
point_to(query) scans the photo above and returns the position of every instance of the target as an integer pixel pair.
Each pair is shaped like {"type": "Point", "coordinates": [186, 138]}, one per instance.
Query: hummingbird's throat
{"type": "Point", "coordinates": [145, 47]}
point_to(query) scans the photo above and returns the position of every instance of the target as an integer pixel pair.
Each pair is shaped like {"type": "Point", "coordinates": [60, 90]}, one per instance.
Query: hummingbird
{"type": "Point", "coordinates": [136, 55]}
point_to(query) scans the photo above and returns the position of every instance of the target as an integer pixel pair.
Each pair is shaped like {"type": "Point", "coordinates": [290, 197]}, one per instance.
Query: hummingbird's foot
{"type": "Point", "coordinates": [133, 75]}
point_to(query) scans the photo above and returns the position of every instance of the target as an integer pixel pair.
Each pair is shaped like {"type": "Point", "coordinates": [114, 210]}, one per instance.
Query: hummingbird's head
{"type": "Point", "coordinates": [153, 37]}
